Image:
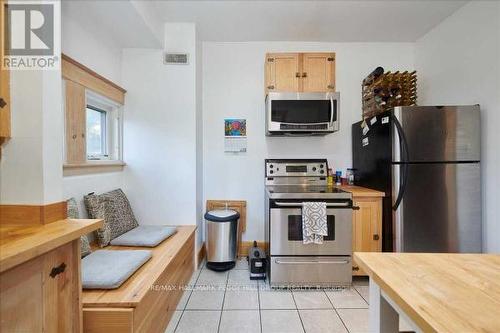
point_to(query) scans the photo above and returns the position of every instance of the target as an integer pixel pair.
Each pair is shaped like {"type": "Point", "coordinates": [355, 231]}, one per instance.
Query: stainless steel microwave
{"type": "Point", "coordinates": [302, 114]}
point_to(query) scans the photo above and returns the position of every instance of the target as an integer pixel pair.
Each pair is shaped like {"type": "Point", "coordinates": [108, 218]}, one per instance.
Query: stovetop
{"type": "Point", "coordinates": [306, 191]}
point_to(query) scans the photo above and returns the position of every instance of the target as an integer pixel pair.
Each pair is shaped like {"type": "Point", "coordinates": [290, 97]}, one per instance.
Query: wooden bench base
{"type": "Point", "coordinates": [148, 299]}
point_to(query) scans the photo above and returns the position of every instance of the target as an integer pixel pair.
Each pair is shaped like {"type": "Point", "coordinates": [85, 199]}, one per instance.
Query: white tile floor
{"type": "Point", "coordinates": [230, 302]}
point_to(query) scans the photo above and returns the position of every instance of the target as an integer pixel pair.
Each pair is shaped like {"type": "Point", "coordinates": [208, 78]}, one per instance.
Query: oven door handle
{"type": "Point", "coordinates": [284, 262]}
{"type": "Point", "coordinates": [295, 204]}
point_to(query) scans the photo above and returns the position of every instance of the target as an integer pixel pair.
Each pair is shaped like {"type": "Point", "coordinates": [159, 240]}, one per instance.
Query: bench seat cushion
{"type": "Point", "coordinates": [145, 235]}
{"type": "Point", "coordinates": [108, 269]}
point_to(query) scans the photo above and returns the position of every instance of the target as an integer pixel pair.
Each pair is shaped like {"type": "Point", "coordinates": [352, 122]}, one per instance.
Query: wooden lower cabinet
{"type": "Point", "coordinates": [43, 294]}
{"type": "Point", "coordinates": [367, 228]}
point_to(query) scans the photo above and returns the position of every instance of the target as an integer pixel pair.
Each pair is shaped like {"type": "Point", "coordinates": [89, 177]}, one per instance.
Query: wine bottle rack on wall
{"type": "Point", "coordinates": [383, 90]}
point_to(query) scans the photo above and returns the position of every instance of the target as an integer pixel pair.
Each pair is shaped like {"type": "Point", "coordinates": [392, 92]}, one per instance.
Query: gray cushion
{"type": "Point", "coordinates": [108, 269]}
{"type": "Point", "coordinates": [73, 213]}
{"type": "Point", "coordinates": [115, 208]}
{"type": "Point", "coordinates": [145, 235]}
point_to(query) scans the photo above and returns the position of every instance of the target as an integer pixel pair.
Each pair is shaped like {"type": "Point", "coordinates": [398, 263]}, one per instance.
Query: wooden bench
{"type": "Point", "coordinates": [148, 299]}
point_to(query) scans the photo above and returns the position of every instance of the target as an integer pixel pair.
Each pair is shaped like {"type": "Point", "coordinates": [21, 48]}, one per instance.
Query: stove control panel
{"type": "Point", "coordinates": [296, 168]}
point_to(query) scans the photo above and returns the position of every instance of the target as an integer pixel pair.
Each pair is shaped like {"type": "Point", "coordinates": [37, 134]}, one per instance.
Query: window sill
{"type": "Point", "coordinates": [92, 167]}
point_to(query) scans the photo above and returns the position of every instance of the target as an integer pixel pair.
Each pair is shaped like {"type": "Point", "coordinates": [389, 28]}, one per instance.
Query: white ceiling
{"type": "Point", "coordinates": [329, 21]}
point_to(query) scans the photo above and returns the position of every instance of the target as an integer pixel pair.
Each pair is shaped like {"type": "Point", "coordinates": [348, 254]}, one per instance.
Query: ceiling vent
{"type": "Point", "coordinates": [176, 59]}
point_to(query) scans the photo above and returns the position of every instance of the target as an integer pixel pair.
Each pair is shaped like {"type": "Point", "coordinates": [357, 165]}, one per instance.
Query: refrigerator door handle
{"type": "Point", "coordinates": [405, 155]}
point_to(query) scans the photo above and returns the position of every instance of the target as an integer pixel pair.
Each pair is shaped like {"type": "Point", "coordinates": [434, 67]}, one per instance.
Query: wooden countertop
{"type": "Point", "coordinates": [358, 191]}
{"type": "Point", "coordinates": [20, 244]}
{"type": "Point", "coordinates": [440, 292]}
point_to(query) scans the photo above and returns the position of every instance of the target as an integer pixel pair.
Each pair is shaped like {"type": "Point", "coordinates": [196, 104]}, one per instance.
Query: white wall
{"type": "Point", "coordinates": [160, 131]}
{"type": "Point", "coordinates": [458, 62]}
{"type": "Point", "coordinates": [30, 165]}
{"type": "Point", "coordinates": [102, 54]}
{"type": "Point", "coordinates": [233, 86]}
{"type": "Point", "coordinates": [90, 45]}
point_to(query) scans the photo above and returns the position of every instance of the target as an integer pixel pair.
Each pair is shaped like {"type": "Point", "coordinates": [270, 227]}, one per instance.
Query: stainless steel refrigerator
{"type": "Point", "coordinates": [427, 161]}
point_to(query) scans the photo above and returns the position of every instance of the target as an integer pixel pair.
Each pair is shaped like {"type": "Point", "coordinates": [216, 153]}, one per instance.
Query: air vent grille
{"type": "Point", "coordinates": [176, 59]}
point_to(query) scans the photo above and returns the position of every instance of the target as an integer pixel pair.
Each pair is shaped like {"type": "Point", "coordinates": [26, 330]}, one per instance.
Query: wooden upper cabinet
{"type": "Point", "coordinates": [318, 72]}
{"type": "Point", "coordinates": [282, 72]}
{"type": "Point", "coordinates": [300, 72]}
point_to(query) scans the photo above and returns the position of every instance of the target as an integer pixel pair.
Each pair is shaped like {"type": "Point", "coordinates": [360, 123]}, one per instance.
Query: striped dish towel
{"type": "Point", "coordinates": [314, 225]}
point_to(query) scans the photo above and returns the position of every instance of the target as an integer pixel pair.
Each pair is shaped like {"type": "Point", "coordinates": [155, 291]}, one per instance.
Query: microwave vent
{"type": "Point", "coordinates": [176, 59]}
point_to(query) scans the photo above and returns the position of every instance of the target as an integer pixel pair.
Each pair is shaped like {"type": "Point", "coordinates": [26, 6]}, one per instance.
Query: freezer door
{"type": "Point", "coordinates": [441, 208]}
{"type": "Point", "coordinates": [440, 133]}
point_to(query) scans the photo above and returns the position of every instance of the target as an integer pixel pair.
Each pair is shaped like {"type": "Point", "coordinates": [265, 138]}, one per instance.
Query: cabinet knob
{"type": "Point", "coordinates": [57, 270]}
{"type": "Point", "coordinates": [376, 237]}
{"type": "Point", "coordinates": [74, 136]}
{"type": "Point", "coordinates": [297, 74]}
{"type": "Point", "coordinates": [304, 74]}
{"type": "Point", "coordinates": [355, 268]}
{"type": "Point", "coordinates": [3, 103]}
{"type": "Point", "coordinates": [83, 135]}
{"type": "Point", "coordinates": [270, 87]}
{"type": "Point", "coordinates": [330, 86]}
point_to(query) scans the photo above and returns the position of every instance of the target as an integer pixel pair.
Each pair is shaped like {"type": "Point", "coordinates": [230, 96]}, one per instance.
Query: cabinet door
{"type": "Point", "coordinates": [21, 297]}
{"type": "Point", "coordinates": [367, 228]}
{"type": "Point", "coordinates": [282, 72]}
{"type": "Point", "coordinates": [318, 72]}
{"type": "Point", "coordinates": [31, 300]}
{"type": "Point", "coordinates": [61, 299]}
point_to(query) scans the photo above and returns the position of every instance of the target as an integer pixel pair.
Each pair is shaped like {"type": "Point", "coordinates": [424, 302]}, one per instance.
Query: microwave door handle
{"type": "Point", "coordinates": [334, 111]}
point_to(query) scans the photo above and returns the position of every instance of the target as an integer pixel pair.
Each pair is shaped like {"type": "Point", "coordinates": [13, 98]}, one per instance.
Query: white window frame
{"type": "Point", "coordinates": [113, 129]}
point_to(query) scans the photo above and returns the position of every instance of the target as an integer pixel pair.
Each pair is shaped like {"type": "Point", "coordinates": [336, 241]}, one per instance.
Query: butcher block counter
{"type": "Point", "coordinates": [40, 287]}
{"type": "Point", "coordinates": [433, 292]}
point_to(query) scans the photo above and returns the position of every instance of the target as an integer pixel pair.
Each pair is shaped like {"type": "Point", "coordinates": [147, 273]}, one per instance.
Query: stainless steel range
{"type": "Point", "coordinates": [289, 183]}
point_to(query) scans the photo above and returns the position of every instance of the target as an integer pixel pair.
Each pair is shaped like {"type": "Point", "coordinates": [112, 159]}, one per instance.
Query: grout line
{"type": "Point", "coordinates": [298, 312]}
{"type": "Point", "coordinates": [357, 291]}
{"type": "Point", "coordinates": [258, 299]}
{"type": "Point", "coordinates": [338, 314]}
{"type": "Point", "coordinates": [223, 300]}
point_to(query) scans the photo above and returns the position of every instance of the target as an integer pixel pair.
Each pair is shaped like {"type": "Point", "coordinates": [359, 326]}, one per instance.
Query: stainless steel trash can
{"type": "Point", "coordinates": [221, 239]}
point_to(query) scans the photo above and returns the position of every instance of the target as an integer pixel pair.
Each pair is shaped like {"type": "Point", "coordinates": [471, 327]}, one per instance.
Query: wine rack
{"type": "Point", "coordinates": [383, 90]}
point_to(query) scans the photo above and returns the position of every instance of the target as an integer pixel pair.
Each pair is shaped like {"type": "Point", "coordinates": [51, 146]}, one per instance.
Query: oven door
{"type": "Point", "coordinates": [286, 230]}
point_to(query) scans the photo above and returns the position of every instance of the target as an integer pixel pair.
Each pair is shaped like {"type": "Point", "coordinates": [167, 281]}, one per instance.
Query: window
{"type": "Point", "coordinates": [96, 133]}
{"type": "Point", "coordinates": [93, 108]}
{"type": "Point", "coordinates": [103, 128]}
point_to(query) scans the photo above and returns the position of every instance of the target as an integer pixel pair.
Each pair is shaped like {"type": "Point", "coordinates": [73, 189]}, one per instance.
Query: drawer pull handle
{"type": "Point", "coordinates": [340, 262]}
{"type": "Point", "coordinates": [57, 270]}
{"type": "Point", "coordinates": [376, 237]}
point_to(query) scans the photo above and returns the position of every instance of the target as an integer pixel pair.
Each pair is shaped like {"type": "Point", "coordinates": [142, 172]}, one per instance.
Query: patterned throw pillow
{"type": "Point", "coordinates": [73, 213]}
{"type": "Point", "coordinates": [115, 208]}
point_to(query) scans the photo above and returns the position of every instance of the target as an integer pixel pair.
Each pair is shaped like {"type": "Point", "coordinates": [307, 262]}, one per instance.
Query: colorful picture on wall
{"type": "Point", "coordinates": [235, 127]}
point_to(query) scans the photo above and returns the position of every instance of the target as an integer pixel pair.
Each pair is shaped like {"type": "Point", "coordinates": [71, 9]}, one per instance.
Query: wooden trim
{"type": "Point", "coordinates": [26, 215]}
{"type": "Point", "coordinates": [5, 128]}
{"type": "Point", "coordinates": [74, 71]}
{"type": "Point", "coordinates": [75, 122]}
{"type": "Point", "coordinates": [238, 205]}
{"type": "Point", "coordinates": [202, 253]}
{"type": "Point", "coordinates": [92, 167]}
